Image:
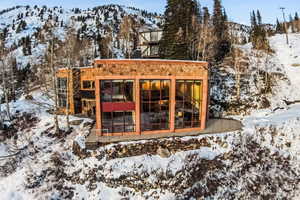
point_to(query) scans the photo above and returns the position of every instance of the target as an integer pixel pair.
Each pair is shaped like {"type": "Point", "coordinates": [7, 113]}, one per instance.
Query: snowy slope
{"type": "Point", "coordinates": [289, 57]}
{"type": "Point", "coordinates": [90, 23]}
{"type": "Point", "coordinates": [260, 162]}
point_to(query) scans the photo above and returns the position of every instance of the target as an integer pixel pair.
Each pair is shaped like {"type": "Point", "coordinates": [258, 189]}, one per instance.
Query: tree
{"type": "Point", "coordinates": [292, 24]}
{"type": "Point", "coordinates": [279, 28]}
{"type": "Point", "coordinates": [258, 35]}
{"type": "Point", "coordinates": [297, 22]}
{"type": "Point", "coordinates": [7, 77]}
{"type": "Point", "coordinates": [70, 54]}
{"type": "Point", "coordinates": [127, 34]}
{"type": "Point", "coordinates": [204, 35]}
{"type": "Point", "coordinates": [222, 42]}
{"type": "Point", "coordinates": [181, 16]}
{"type": "Point", "coordinates": [259, 18]}
{"type": "Point", "coordinates": [54, 82]}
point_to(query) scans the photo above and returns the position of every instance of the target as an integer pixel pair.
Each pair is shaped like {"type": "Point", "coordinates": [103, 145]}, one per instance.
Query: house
{"type": "Point", "coordinates": [149, 41]}
{"type": "Point", "coordinates": [133, 97]}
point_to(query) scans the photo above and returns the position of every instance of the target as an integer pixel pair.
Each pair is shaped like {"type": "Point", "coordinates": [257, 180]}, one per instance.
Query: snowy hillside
{"type": "Point", "coordinates": [260, 162]}
{"type": "Point", "coordinates": [24, 27]}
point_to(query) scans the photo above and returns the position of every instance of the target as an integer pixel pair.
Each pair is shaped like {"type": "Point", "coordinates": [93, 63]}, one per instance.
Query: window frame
{"type": "Point", "coordinates": [111, 101]}
{"type": "Point", "coordinates": [185, 100]}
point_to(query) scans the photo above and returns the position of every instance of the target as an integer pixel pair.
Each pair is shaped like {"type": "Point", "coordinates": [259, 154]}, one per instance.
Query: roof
{"type": "Point", "coordinates": [151, 61]}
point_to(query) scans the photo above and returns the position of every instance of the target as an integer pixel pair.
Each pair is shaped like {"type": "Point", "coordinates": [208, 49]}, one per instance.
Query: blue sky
{"type": "Point", "coordinates": [237, 10]}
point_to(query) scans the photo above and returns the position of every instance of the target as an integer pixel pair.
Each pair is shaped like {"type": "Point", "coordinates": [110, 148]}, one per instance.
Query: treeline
{"type": "Point", "coordinates": [293, 25]}
{"type": "Point", "coordinates": [191, 32]}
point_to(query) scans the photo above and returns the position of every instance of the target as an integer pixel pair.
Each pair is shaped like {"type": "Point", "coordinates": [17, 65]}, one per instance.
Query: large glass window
{"type": "Point", "coordinates": [62, 92]}
{"type": "Point", "coordinates": [188, 103]}
{"type": "Point", "coordinates": [155, 103]}
{"type": "Point", "coordinates": [118, 106]}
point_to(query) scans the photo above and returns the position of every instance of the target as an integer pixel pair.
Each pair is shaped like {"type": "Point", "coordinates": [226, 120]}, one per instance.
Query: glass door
{"type": "Point", "coordinates": [155, 105]}
{"type": "Point", "coordinates": [118, 106]}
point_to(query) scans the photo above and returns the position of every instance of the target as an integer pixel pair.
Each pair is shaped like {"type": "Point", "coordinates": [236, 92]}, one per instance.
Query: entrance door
{"type": "Point", "coordinates": [155, 105]}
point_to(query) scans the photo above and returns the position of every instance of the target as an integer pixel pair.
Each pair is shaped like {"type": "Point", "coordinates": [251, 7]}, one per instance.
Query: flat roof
{"type": "Point", "coordinates": [156, 61]}
{"type": "Point", "coordinates": [152, 60]}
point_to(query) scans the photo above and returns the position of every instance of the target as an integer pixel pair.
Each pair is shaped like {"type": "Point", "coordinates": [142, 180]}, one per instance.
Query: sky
{"type": "Point", "coordinates": [237, 10]}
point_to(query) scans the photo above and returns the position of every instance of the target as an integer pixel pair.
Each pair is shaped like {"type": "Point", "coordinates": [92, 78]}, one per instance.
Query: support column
{"type": "Point", "coordinates": [137, 106]}
{"type": "Point", "coordinates": [173, 104]}
{"type": "Point", "coordinates": [98, 108]}
{"type": "Point", "coordinates": [204, 107]}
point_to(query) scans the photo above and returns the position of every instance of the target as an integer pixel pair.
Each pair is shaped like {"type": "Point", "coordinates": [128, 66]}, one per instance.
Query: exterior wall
{"type": "Point", "coordinates": [137, 70]}
{"type": "Point", "coordinates": [150, 67]}
{"type": "Point", "coordinates": [137, 79]}
{"type": "Point", "coordinates": [65, 73]}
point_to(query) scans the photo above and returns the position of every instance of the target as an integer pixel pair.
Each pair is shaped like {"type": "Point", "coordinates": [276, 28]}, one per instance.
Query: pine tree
{"type": "Point", "coordinates": [258, 34]}
{"type": "Point", "coordinates": [222, 42]}
{"type": "Point", "coordinates": [279, 28]}
{"type": "Point", "coordinates": [178, 29]}
{"type": "Point", "coordinates": [297, 22]}
{"type": "Point", "coordinates": [296, 16]}
{"type": "Point", "coordinates": [259, 19]}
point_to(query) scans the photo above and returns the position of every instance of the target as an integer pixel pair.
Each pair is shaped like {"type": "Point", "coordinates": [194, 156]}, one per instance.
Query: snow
{"type": "Point", "coordinates": [36, 174]}
{"type": "Point", "coordinates": [3, 150]}
{"type": "Point", "coordinates": [288, 55]}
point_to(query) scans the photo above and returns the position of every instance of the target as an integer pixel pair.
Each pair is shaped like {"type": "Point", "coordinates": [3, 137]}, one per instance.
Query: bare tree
{"type": "Point", "coordinates": [70, 55]}
{"type": "Point", "coordinates": [127, 34]}
{"type": "Point", "coordinates": [5, 80]}
{"type": "Point", "coordinates": [54, 82]}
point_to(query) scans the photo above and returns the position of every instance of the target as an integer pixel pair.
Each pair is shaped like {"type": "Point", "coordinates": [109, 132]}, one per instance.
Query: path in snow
{"type": "Point", "coordinates": [289, 55]}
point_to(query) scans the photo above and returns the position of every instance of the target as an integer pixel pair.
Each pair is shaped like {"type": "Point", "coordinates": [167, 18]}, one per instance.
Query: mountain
{"type": "Point", "coordinates": [260, 161]}
{"type": "Point", "coordinates": [23, 27]}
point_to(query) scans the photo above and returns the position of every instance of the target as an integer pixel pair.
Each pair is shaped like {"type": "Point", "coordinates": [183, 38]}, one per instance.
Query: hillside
{"type": "Point", "coordinates": [25, 28]}
{"type": "Point", "coordinates": [259, 162]}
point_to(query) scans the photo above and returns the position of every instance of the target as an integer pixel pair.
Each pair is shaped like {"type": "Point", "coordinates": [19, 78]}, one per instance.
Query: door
{"type": "Point", "coordinates": [155, 105]}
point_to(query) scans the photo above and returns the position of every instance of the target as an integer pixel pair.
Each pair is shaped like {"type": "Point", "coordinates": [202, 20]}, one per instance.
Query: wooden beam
{"type": "Point", "coordinates": [137, 106]}
{"type": "Point", "coordinates": [98, 108]}
{"type": "Point", "coordinates": [173, 103]}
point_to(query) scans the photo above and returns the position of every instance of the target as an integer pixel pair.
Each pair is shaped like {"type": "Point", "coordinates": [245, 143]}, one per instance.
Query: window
{"type": "Point", "coordinates": [62, 92]}
{"type": "Point", "coordinates": [117, 91]}
{"type": "Point", "coordinates": [188, 103]}
{"type": "Point", "coordinates": [154, 50]}
{"type": "Point", "coordinates": [118, 106]}
{"type": "Point", "coordinates": [155, 103]}
{"type": "Point", "coordinates": [88, 84]}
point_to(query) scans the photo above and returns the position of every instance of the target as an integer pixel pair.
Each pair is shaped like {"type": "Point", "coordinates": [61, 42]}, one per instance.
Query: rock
{"type": "Point", "coordinates": [29, 97]}
{"type": "Point", "coordinates": [86, 124]}
{"type": "Point", "coordinates": [163, 152]}
{"type": "Point", "coordinates": [78, 151]}
{"type": "Point", "coordinates": [76, 122]}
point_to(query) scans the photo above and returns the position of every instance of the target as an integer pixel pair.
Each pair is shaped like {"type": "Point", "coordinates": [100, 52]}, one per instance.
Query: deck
{"type": "Point", "coordinates": [214, 126]}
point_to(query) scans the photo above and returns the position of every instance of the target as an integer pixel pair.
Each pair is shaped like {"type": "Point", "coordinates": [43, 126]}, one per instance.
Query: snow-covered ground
{"type": "Point", "coordinates": [260, 162]}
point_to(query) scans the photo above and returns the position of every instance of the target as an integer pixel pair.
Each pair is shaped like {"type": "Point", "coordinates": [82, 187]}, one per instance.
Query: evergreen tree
{"type": "Point", "coordinates": [178, 28]}
{"type": "Point", "coordinates": [259, 19]}
{"type": "Point", "coordinates": [279, 28]}
{"type": "Point", "coordinates": [296, 16]}
{"type": "Point", "coordinates": [297, 22]}
{"type": "Point", "coordinates": [258, 34]}
{"type": "Point", "coordinates": [222, 42]}
{"type": "Point", "coordinates": [253, 19]}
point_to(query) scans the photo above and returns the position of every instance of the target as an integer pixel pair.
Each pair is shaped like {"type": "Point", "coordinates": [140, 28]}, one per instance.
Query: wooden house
{"type": "Point", "coordinates": [133, 97]}
{"type": "Point", "coordinates": [149, 43]}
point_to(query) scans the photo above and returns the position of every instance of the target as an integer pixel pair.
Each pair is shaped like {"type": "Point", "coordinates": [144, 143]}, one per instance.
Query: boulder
{"type": "Point", "coordinates": [29, 97]}
{"type": "Point", "coordinates": [163, 152]}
